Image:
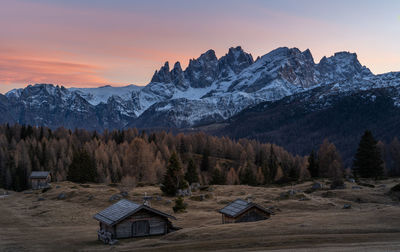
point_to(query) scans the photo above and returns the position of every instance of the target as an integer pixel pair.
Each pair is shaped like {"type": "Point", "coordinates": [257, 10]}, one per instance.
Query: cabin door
{"type": "Point", "coordinates": [140, 228]}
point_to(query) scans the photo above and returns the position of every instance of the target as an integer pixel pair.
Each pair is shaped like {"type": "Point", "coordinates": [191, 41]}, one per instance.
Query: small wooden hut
{"type": "Point", "coordinates": [126, 219]}
{"type": "Point", "coordinates": [243, 211]}
{"type": "Point", "coordinates": [40, 179]}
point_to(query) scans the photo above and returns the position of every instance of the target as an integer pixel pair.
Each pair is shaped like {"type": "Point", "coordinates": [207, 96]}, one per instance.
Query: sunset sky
{"type": "Point", "coordinates": [85, 43]}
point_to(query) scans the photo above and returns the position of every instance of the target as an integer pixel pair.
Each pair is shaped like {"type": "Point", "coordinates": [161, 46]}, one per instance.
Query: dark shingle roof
{"type": "Point", "coordinates": [39, 174]}
{"type": "Point", "coordinates": [123, 209]}
{"type": "Point", "coordinates": [239, 206]}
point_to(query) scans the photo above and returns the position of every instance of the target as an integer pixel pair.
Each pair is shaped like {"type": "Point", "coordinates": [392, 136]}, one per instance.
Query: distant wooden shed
{"type": "Point", "coordinates": [40, 179]}
{"type": "Point", "coordinates": [243, 211]}
{"type": "Point", "coordinates": [126, 219]}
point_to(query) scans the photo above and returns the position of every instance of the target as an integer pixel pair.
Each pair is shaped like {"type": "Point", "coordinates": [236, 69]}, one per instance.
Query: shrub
{"type": "Point", "coordinates": [180, 205]}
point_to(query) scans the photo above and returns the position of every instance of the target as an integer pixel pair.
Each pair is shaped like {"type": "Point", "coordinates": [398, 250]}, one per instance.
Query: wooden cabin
{"type": "Point", "coordinates": [40, 179]}
{"type": "Point", "coordinates": [243, 211]}
{"type": "Point", "coordinates": [126, 219]}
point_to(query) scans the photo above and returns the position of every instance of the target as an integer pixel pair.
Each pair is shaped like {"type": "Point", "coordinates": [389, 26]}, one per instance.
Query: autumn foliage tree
{"type": "Point", "coordinates": [132, 158]}
{"type": "Point", "coordinates": [329, 161]}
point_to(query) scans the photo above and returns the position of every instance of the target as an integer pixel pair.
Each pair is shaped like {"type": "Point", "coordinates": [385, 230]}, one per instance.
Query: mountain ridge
{"type": "Point", "coordinates": [209, 90]}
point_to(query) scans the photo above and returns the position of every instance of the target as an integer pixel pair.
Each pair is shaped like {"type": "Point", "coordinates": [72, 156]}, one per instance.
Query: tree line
{"type": "Point", "coordinates": [133, 158]}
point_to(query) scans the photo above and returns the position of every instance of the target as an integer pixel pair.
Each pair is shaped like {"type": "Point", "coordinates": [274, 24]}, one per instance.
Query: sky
{"type": "Point", "coordinates": [82, 43]}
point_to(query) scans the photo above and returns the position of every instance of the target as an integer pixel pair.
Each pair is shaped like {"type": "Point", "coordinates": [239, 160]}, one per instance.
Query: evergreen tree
{"type": "Point", "coordinates": [266, 173]}
{"type": "Point", "coordinates": [173, 178]}
{"type": "Point", "coordinates": [22, 134]}
{"type": "Point", "coordinates": [11, 181]}
{"type": "Point", "coordinates": [313, 165]}
{"type": "Point", "coordinates": [29, 131]}
{"type": "Point", "coordinates": [21, 179]}
{"type": "Point", "coordinates": [395, 156]}
{"type": "Point", "coordinates": [218, 177]}
{"type": "Point", "coordinates": [182, 148]}
{"type": "Point", "coordinates": [293, 174]}
{"type": "Point", "coordinates": [8, 133]}
{"type": "Point", "coordinates": [205, 161]}
{"type": "Point", "coordinates": [247, 177]}
{"type": "Point", "coordinates": [41, 134]}
{"type": "Point", "coordinates": [191, 175]}
{"type": "Point", "coordinates": [2, 174]}
{"type": "Point", "coordinates": [368, 162]}
{"type": "Point", "coordinates": [82, 168]}
{"type": "Point", "coordinates": [272, 164]}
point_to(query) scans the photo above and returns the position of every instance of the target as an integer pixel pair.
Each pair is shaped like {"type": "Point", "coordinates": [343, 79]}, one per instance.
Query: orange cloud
{"type": "Point", "coordinates": [18, 69]}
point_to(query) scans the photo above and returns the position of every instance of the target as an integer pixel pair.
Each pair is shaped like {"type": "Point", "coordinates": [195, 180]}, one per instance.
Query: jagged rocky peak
{"type": "Point", "coordinates": [308, 56]}
{"type": "Point", "coordinates": [341, 58]}
{"type": "Point", "coordinates": [202, 71]}
{"type": "Point", "coordinates": [295, 53]}
{"type": "Point", "coordinates": [342, 65]}
{"type": "Point", "coordinates": [297, 67]}
{"type": "Point", "coordinates": [177, 76]}
{"type": "Point", "coordinates": [162, 75]}
{"type": "Point", "coordinates": [37, 89]}
{"type": "Point", "coordinates": [177, 67]}
{"type": "Point", "coordinates": [176, 72]}
{"type": "Point", "coordinates": [280, 52]}
{"type": "Point", "coordinates": [44, 89]}
{"type": "Point", "coordinates": [285, 55]}
{"type": "Point", "coordinates": [235, 60]}
{"type": "Point", "coordinates": [208, 56]}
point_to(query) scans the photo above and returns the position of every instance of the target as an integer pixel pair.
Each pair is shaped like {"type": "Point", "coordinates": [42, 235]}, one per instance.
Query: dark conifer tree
{"type": "Point", "coordinates": [22, 134]}
{"type": "Point", "coordinates": [313, 164]}
{"type": "Point", "coordinates": [368, 162]}
{"type": "Point", "coordinates": [293, 174]}
{"type": "Point", "coordinates": [182, 148]}
{"type": "Point", "coordinates": [247, 177]}
{"type": "Point", "coordinates": [82, 168]}
{"type": "Point", "coordinates": [218, 177]}
{"type": "Point", "coordinates": [191, 175]}
{"type": "Point", "coordinates": [272, 164]}
{"type": "Point", "coordinates": [9, 133]}
{"type": "Point", "coordinates": [173, 178]}
{"type": "Point", "coordinates": [29, 131]}
{"type": "Point", "coordinates": [2, 171]}
{"type": "Point", "coordinates": [21, 179]}
{"type": "Point", "coordinates": [41, 134]}
{"type": "Point", "coordinates": [205, 161]}
{"type": "Point", "coordinates": [95, 135]}
{"type": "Point", "coordinates": [11, 170]}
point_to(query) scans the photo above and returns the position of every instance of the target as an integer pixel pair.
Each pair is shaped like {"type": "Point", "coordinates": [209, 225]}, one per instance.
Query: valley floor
{"type": "Point", "coordinates": [302, 222]}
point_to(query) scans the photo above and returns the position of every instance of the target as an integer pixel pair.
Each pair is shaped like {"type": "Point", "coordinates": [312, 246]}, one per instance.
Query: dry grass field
{"type": "Point", "coordinates": [302, 222]}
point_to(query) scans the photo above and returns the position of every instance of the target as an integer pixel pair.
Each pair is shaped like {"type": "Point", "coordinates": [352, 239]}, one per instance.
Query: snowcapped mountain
{"type": "Point", "coordinates": [215, 90]}
{"type": "Point", "coordinates": [209, 90]}
{"type": "Point", "coordinates": [55, 106]}
{"type": "Point", "coordinates": [101, 94]}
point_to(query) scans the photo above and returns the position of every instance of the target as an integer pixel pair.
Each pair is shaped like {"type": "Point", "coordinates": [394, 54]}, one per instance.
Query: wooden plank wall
{"type": "Point", "coordinates": [252, 214]}
{"type": "Point", "coordinates": [158, 224]}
